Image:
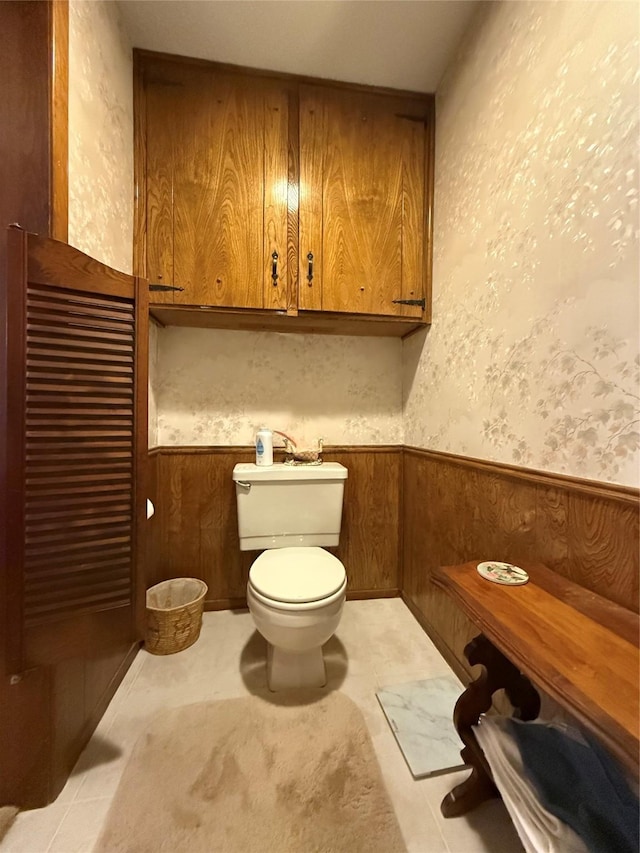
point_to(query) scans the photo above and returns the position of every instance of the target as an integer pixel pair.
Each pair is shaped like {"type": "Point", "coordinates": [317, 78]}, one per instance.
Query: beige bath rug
{"type": "Point", "coordinates": [250, 776]}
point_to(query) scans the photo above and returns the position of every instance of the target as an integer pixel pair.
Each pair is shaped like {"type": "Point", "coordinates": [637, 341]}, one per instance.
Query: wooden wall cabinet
{"type": "Point", "coordinates": [216, 186]}
{"type": "Point", "coordinates": [362, 202]}
{"type": "Point", "coordinates": [268, 197]}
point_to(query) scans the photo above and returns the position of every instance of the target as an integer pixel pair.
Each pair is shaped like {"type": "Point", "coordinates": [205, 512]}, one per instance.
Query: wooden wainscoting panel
{"type": "Point", "coordinates": [602, 539]}
{"type": "Point", "coordinates": [370, 536]}
{"type": "Point", "coordinates": [195, 529]}
{"type": "Point", "coordinates": [457, 509]}
{"type": "Point", "coordinates": [551, 524]}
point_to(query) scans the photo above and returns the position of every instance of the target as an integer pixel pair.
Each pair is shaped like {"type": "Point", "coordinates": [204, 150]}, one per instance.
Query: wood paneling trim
{"type": "Point", "coordinates": [242, 450]}
{"type": "Point", "coordinates": [238, 603]}
{"type": "Point", "coordinates": [366, 594]}
{"type": "Point", "coordinates": [141, 54]}
{"type": "Point", "coordinates": [591, 488]}
{"type": "Point", "coordinates": [59, 100]}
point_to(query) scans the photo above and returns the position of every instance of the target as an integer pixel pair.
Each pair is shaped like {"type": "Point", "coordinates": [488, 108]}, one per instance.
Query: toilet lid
{"type": "Point", "coordinates": [297, 575]}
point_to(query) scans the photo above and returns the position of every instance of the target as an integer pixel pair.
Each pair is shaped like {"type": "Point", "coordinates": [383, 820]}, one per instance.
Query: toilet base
{"type": "Point", "coordinates": [287, 669]}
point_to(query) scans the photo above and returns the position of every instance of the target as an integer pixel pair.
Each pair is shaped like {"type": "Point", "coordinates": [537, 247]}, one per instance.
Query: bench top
{"type": "Point", "coordinates": [578, 647]}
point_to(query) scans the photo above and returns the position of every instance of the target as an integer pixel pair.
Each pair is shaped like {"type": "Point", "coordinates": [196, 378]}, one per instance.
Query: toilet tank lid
{"type": "Point", "coordinates": [249, 472]}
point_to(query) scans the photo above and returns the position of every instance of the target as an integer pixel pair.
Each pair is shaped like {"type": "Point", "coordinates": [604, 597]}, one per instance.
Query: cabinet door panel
{"type": "Point", "coordinates": [362, 201]}
{"type": "Point", "coordinates": [362, 208]}
{"type": "Point", "coordinates": [218, 190]}
{"type": "Point", "coordinates": [159, 184]}
{"type": "Point", "coordinates": [312, 140]}
{"type": "Point", "coordinates": [276, 189]}
{"type": "Point", "coordinates": [414, 234]}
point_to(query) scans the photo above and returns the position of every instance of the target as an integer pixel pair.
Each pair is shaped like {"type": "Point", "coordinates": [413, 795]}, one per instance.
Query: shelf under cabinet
{"type": "Point", "coordinates": [306, 322]}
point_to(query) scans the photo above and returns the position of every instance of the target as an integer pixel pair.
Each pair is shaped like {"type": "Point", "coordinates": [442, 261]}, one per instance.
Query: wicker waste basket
{"type": "Point", "coordinates": [174, 615]}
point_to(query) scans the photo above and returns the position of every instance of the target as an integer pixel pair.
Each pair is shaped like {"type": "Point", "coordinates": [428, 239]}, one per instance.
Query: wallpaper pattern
{"type": "Point", "coordinates": [533, 356]}
{"type": "Point", "coordinates": [100, 133]}
{"type": "Point", "coordinates": [153, 383]}
{"type": "Point", "coordinates": [219, 387]}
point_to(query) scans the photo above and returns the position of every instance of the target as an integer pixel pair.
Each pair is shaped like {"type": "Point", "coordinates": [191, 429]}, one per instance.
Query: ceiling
{"type": "Point", "coordinates": [404, 44]}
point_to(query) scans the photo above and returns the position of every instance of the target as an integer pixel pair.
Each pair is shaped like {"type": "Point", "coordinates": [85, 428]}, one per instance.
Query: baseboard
{"type": "Point", "coordinates": [361, 594]}
{"type": "Point", "coordinates": [225, 603]}
{"type": "Point", "coordinates": [437, 640]}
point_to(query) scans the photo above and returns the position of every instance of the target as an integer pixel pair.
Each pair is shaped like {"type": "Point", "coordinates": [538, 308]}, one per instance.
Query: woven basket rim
{"type": "Point", "coordinates": [203, 587]}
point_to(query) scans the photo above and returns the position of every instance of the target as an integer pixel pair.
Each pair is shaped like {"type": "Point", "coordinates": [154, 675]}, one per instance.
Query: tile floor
{"type": "Point", "coordinates": [378, 644]}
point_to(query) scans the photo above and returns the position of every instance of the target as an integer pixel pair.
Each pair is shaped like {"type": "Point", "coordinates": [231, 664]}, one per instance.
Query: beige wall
{"type": "Point", "coordinates": [219, 387]}
{"type": "Point", "coordinates": [153, 383]}
{"type": "Point", "coordinates": [533, 354]}
{"type": "Point", "coordinates": [100, 133]}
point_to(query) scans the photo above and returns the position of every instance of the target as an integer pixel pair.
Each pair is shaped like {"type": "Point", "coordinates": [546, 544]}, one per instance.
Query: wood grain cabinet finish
{"type": "Point", "coordinates": [216, 145]}
{"type": "Point", "coordinates": [362, 202]}
{"type": "Point", "coordinates": [275, 194]}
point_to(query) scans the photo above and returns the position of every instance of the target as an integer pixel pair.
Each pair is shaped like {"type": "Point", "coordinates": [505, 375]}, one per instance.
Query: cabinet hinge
{"type": "Point", "coordinates": [164, 287]}
{"type": "Point", "coordinates": [419, 302]}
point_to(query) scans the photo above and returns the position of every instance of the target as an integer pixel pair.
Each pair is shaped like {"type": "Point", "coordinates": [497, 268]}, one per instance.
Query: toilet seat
{"type": "Point", "coordinates": [297, 576]}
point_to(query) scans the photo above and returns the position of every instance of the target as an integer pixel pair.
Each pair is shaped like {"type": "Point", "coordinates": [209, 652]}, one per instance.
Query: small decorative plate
{"type": "Point", "coordinates": [505, 573]}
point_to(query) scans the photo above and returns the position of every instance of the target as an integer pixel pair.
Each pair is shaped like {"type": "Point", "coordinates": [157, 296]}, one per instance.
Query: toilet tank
{"type": "Point", "coordinates": [285, 505]}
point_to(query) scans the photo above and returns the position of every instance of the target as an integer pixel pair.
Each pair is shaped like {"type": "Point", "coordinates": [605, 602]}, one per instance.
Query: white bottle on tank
{"type": "Point", "coordinates": [264, 447]}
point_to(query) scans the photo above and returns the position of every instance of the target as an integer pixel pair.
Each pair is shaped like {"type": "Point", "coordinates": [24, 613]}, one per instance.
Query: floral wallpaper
{"type": "Point", "coordinates": [533, 355]}
{"type": "Point", "coordinates": [219, 387]}
{"type": "Point", "coordinates": [153, 383]}
{"type": "Point", "coordinates": [100, 133]}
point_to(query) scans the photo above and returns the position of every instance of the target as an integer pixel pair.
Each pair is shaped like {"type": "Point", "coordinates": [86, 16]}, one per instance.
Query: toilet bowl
{"type": "Point", "coordinates": [296, 596]}
{"type": "Point", "coordinates": [296, 589]}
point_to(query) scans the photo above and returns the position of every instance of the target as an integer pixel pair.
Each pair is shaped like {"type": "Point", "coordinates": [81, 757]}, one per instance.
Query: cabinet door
{"type": "Point", "coordinates": [159, 96]}
{"type": "Point", "coordinates": [362, 201]}
{"type": "Point", "coordinates": [217, 161]}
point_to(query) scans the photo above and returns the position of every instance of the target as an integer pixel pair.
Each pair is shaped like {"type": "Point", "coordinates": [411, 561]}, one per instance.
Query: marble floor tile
{"type": "Point", "coordinates": [420, 714]}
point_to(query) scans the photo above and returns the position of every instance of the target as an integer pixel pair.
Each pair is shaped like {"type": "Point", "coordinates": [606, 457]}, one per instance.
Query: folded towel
{"type": "Point", "coordinates": [540, 831]}
{"type": "Point", "coordinates": [579, 782]}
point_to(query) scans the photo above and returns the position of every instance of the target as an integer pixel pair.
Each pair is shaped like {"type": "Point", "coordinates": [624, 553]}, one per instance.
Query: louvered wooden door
{"type": "Point", "coordinates": [76, 357]}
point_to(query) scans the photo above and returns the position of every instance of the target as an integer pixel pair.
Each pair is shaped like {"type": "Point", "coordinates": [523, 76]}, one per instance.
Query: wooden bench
{"type": "Point", "coordinates": [578, 647]}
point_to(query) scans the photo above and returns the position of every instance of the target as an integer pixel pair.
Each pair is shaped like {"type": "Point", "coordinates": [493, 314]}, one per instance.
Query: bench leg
{"type": "Point", "coordinates": [498, 672]}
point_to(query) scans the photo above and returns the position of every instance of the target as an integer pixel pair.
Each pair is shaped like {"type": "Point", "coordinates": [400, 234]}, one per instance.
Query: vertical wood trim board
{"type": "Point", "coordinates": [194, 532]}
{"type": "Point", "coordinates": [59, 105]}
{"type": "Point", "coordinates": [457, 509]}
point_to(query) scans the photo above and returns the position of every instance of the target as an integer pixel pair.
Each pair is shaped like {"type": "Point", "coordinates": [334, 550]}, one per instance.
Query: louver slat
{"type": "Point", "coordinates": [79, 453]}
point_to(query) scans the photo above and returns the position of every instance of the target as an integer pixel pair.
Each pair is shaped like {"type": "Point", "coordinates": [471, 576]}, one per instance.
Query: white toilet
{"type": "Point", "coordinates": [296, 589]}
